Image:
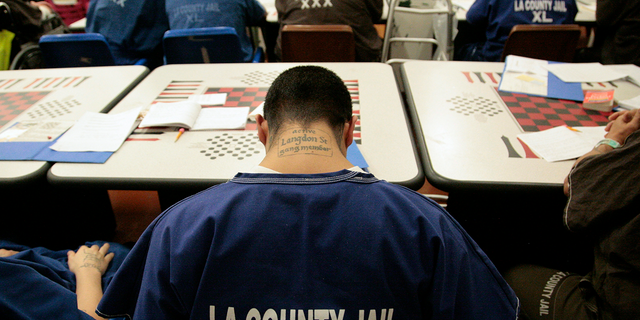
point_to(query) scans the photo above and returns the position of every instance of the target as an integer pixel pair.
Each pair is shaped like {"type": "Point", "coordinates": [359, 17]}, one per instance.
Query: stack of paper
{"type": "Point", "coordinates": [531, 76]}
{"type": "Point", "coordinates": [92, 139]}
{"type": "Point", "coordinates": [585, 72]}
{"type": "Point", "coordinates": [563, 143]}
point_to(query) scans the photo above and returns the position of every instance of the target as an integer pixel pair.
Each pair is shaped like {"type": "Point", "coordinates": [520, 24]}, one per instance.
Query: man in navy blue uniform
{"type": "Point", "coordinates": [498, 17]}
{"type": "Point", "coordinates": [133, 28]}
{"type": "Point", "coordinates": [238, 14]}
{"type": "Point", "coordinates": [38, 283]}
{"type": "Point", "coordinates": [306, 235]}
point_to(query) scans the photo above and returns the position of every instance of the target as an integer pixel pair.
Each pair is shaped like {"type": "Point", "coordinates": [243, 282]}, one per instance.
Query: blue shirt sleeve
{"type": "Point", "coordinates": [255, 12]}
{"type": "Point", "coordinates": [478, 13]}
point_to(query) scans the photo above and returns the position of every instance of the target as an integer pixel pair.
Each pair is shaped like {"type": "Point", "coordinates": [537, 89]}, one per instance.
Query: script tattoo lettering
{"type": "Point", "coordinates": [91, 260]}
{"type": "Point", "coordinates": [304, 141]}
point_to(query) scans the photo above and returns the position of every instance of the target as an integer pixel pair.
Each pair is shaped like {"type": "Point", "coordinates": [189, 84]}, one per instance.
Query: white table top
{"type": "Point", "coordinates": [464, 128]}
{"type": "Point", "coordinates": [194, 160]}
{"type": "Point", "coordinates": [67, 93]}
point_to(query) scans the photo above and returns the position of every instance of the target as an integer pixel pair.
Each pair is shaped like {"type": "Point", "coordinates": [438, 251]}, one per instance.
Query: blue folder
{"type": "Point", "coordinates": [40, 151]}
{"type": "Point", "coordinates": [557, 88]}
{"type": "Point", "coordinates": [355, 156]}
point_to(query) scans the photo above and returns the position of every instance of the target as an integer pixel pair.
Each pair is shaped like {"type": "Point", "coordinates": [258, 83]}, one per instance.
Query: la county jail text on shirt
{"type": "Point", "coordinates": [298, 314]}
{"type": "Point", "coordinates": [539, 8]}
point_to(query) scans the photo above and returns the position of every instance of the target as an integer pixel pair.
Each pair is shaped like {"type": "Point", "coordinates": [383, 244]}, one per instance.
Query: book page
{"type": "Point", "coordinates": [175, 114]}
{"type": "Point", "coordinates": [222, 118]}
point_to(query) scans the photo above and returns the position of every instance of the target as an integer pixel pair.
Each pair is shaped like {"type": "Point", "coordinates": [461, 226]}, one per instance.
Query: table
{"type": "Point", "coordinates": [61, 94]}
{"type": "Point", "coordinates": [34, 212]}
{"type": "Point", "coordinates": [466, 134]}
{"type": "Point", "coordinates": [507, 198]}
{"type": "Point", "coordinates": [200, 159]}
{"type": "Point", "coordinates": [78, 26]}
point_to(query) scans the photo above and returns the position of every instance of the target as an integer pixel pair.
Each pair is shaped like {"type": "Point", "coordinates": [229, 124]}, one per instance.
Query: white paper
{"type": "Point", "coordinates": [525, 75]}
{"type": "Point", "coordinates": [35, 131]}
{"type": "Point", "coordinates": [631, 70]}
{"type": "Point", "coordinates": [222, 118]}
{"type": "Point", "coordinates": [561, 143]}
{"type": "Point", "coordinates": [526, 65]}
{"type": "Point", "coordinates": [584, 72]}
{"type": "Point", "coordinates": [174, 114]}
{"type": "Point", "coordinates": [216, 99]}
{"type": "Point", "coordinates": [629, 104]}
{"type": "Point", "coordinates": [98, 132]}
{"type": "Point", "coordinates": [259, 110]}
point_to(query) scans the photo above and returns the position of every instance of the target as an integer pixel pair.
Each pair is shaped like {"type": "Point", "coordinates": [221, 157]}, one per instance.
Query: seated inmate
{"type": "Point", "coordinates": [306, 235]}
{"type": "Point", "coordinates": [604, 204]}
{"type": "Point", "coordinates": [498, 17]}
{"type": "Point", "coordinates": [38, 283]}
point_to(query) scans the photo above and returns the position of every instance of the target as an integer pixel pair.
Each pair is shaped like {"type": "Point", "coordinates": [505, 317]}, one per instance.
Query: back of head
{"type": "Point", "coordinates": [307, 94]}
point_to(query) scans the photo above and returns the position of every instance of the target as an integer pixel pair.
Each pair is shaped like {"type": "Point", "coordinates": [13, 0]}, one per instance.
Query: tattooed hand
{"type": "Point", "coordinates": [90, 259]}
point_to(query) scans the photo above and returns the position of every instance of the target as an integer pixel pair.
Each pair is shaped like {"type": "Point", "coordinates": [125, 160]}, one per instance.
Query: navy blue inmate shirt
{"type": "Point", "coordinates": [340, 245]}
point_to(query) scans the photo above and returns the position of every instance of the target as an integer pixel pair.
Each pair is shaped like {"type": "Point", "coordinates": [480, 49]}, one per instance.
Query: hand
{"type": "Point", "coordinates": [90, 259]}
{"type": "Point", "coordinates": [7, 253]}
{"type": "Point", "coordinates": [622, 124]}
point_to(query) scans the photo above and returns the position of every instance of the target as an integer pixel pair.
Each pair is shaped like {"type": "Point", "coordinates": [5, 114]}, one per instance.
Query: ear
{"type": "Point", "coordinates": [347, 133]}
{"type": "Point", "coordinates": [263, 129]}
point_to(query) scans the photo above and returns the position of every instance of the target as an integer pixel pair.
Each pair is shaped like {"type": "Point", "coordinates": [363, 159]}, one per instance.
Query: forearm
{"type": "Point", "coordinates": [601, 149]}
{"type": "Point", "coordinates": [622, 124]}
{"type": "Point", "coordinates": [89, 291]}
{"type": "Point", "coordinates": [89, 264]}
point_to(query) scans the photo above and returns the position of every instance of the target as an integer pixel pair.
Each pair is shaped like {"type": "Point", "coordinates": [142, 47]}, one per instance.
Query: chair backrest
{"type": "Point", "coordinates": [75, 50]}
{"type": "Point", "coordinates": [202, 45]}
{"type": "Point", "coordinates": [317, 43]}
{"type": "Point", "coordinates": [556, 42]}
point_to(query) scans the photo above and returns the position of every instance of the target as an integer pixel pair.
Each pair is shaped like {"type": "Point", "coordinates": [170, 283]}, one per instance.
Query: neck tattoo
{"type": "Point", "coordinates": [304, 141]}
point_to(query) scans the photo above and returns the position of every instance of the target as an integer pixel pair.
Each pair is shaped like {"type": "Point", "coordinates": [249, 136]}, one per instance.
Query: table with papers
{"type": "Point", "coordinates": [153, 159]}
{"type": "Point", "coordinates": [57, 95]}
{"type": "Point", "coordinates": [502, 193]}
{"type": "Point", "coordinates": [468, 134]}
{"type": "Point", "coordinates": [34, 212]}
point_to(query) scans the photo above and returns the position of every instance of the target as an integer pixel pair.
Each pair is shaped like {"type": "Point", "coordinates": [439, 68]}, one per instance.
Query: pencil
{"type": "Point", "coordinates": [572, 129]}
{"type": "Point", "coordinates": [179, 134]}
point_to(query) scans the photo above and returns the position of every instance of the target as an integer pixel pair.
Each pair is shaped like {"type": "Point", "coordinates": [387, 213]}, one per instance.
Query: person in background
{"type": "Point", "coordinates": [38, 283]}
{"type": "Point", "coordinates": [604, 204]}
{"type": "Point", "coordinates": [307, 235]}
{"type": "Point", "coordinates": [133, 28]}
{"type": "Point", "coordinates": [498, 17]}
{"type": "Point", "coordinates": [239, 14]}
{"type": "Point", "coordinates": [361, 15]}
{"type": "Point", "coordinates": [618, 31]}
{"type": "Point", "coordinates": [70, 11]}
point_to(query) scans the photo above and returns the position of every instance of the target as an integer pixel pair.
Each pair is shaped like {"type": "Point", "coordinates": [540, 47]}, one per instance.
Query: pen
{"type": "Point", "coordinates": [179, 134]}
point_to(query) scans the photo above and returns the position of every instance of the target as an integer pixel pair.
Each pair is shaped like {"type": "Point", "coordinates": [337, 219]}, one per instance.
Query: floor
{"type": "Point", "coordinates": [135, 210]}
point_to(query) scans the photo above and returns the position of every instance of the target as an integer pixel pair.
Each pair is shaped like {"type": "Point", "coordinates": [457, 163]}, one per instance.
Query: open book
{"type": "Point", "coordinates": [191, 115]}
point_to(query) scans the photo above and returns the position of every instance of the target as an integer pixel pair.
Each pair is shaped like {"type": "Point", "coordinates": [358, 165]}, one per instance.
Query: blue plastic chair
{"type": "Point", "coordinates": [75, 50]}
{"type": "Point", "coordinates": [204, 45]}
